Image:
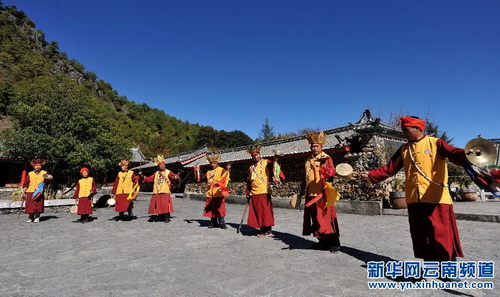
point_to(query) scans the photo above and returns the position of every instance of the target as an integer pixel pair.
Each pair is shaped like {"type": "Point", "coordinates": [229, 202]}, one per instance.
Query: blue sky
{"type": "Point", "coordinates": [317, 64]}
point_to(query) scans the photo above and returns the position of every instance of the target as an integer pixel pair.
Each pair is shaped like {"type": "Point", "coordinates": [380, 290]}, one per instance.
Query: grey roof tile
{"type": "Point", "coordinates": [183, 158]}
{"type": "Point", "coordinates": [298, 144]}
{"type": "Point", "coordinates": [137, 156]}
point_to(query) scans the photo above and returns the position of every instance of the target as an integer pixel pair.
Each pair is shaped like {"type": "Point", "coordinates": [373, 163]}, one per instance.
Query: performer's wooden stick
{"type": "Point", "coordinates": [23, 178]}
{"type": "Point", "coordinates": [179, 184]}
{"type": "Point", "coordinates": [20, 209]}
{"type": "Point", "coordinates": [243, 216]}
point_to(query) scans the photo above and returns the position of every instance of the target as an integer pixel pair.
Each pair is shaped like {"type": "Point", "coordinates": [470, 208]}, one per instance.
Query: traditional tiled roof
{"type": "Point", "coordinates": [137, 156]}
{"type": "Point", "coordinates": [182, 158]}
{"type": "Point", "coordinates": [496, 142]}
{"type": "Point", "coordinates": [187, 157]}
{"type": "Point", "coordinates": [335, 138]}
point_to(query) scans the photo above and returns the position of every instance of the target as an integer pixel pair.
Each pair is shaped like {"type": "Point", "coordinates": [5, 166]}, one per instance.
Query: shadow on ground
{"type": "Point", "coordinates": [125, 218]}
{"type": "Point", "coordinates": [244, 230]}
{"type": "Point", "coordinates": [201, 222]}
{"type": "Point", "coordinates": [369, 256]}
{"type": "Point", "coordinates": [46, 218]}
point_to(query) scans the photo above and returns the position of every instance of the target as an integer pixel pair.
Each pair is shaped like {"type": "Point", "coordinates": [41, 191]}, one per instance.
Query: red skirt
{"type": "Point", "coordinates": [261, 213]}
{"type": "Point", "coordinates": [320, 222]}
{"type": "Point", "coordinates": [34, 206]}
{"type": "Point", "coordinates": [215, 207]}
{"type": "Point", "coordinates": [122, 204]}
{"type": "Point", "coordinates": [434, 231]}
{"type": "Point", "coordinates": [160, 204]}
{"type": "Point", "coordinates": [84, 206]}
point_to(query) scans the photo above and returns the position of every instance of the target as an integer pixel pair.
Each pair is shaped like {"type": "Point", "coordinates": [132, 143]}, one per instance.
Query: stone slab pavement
{"type": "Point", "coordinates": [487, 207]}
{"type": "Point", "coordinates": [483, 211]}
{"type": "Point", "coordinates": [184, 258]}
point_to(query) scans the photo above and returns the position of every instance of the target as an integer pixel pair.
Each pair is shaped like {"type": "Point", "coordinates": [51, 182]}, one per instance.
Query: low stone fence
{"type": "Point", "coordinates": [66, 200]}
{"type": "Point", "coordinates": [343, 206]}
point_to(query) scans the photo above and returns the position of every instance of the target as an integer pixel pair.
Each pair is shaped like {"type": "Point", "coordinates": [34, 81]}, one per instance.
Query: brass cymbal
{"type": "Point", "coordinates": [480, 152]}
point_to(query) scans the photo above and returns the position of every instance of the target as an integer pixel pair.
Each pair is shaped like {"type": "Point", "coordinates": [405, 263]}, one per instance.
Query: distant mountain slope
{"type": "Point", "coordinates": [26, 58]}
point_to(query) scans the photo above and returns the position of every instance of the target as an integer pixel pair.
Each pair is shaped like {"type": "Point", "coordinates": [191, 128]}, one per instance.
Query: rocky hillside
{"type": "Point", "coordinates": [27, 58]}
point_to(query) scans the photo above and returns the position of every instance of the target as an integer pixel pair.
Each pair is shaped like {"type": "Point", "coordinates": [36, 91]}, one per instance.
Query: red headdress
{"type": "Point", "coordinates": [413, 122]}
{"type": "Point", "coordinates": [37, 162]}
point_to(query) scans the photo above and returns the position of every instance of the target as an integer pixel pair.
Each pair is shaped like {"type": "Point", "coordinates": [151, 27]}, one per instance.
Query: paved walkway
{"type": "Point", "coordinates": [482, 211]}
{"type": "Point", "coordinates": [487, 207]}
{"type": "Point", "coordinates": [184, 258]}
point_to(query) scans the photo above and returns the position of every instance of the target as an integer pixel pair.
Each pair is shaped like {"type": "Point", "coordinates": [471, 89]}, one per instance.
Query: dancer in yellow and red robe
{"type": "Point", "coordinates": [433, 226]}
{"type": "Point", "coordinates": [319, 220]}
{"type": "Point", "coordinates": [161, 202]}
{"type": "Point", "coordinates": [33, 191]}
{"type": "Point", "coordinates": [261, 212]}
{"type": "Point", "coordinates": [217, 181]}
{"type": "Point", "coordinates": [85, 190]}
{"type": "Point", "coordinates": [122, 187]}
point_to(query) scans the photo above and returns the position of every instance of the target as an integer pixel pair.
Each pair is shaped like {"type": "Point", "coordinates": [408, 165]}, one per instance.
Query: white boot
{"type": "Point", "coordinates": [37, 220]}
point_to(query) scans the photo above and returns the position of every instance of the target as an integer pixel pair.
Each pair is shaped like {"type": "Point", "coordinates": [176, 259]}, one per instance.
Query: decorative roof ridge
{"type": "Point", "coordinates": [139, 152]}
{"type": "Point", "coordinates": [198, 150]}
{"type": "Point", "coordinates": [347, 127]}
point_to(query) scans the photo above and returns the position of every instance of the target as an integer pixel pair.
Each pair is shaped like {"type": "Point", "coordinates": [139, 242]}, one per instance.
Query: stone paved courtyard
{"type": "Point", "coordinates": [184, 258]}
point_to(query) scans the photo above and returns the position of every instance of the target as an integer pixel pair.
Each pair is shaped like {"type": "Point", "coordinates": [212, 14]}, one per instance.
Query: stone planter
{"type": "Point", "coordinates": [398, 200]}
{"type": "Point", "coordinates": [468, 194]}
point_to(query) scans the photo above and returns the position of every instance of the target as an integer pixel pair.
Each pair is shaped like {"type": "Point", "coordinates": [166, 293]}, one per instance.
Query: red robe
{"type": "Point", "coordinates": [122, 204]}
{"type": "Point", "coordinates": [215, 207]}
{"type": "Point", "coordinates": [33, 206]}
{"type": "Point", "coordinates": [433, 226]}
{"type": "Point", "coordinates": [84, 203]}
{"type": "Point", "coordinates": [261, 211]}
{"type": "Point", "coordinates": [160, 203]}
{"type": "Point", "coordinates": [320, 222]}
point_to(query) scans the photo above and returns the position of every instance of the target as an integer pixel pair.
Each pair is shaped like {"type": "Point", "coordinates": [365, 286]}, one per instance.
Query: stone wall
{"type": "Point", "coordinates": [372, 155]}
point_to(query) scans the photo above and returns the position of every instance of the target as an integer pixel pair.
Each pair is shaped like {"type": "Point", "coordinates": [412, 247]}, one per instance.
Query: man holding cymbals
{"type": "Point", "coordinates": [433, 226]}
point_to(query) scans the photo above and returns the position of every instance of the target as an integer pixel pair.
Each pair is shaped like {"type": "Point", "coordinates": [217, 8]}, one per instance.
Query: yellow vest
{"type": "Point", "coordinates": [313, 176]}
{"type": "Point", "coordinates": [85, 187]}
{"type": "Point", "coordinates": [125, 182]}
{"type": "Point", "coordinates": [426, 156]}
{"type": "Point", "coordinates": [215, 176]}
{"type": "Point", "coordinates": [35, 180]}
{"type": "Point", "coordinates": [260, 178]}
{"type": "Point", "coordinates": [162, 182]}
